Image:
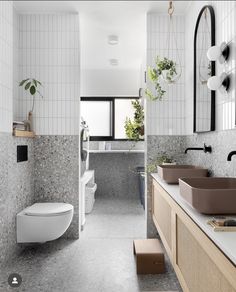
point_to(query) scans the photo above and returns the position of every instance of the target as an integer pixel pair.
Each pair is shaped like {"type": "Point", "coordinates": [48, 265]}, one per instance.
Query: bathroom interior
{"type": "Point", "coordinates": [117, 146]}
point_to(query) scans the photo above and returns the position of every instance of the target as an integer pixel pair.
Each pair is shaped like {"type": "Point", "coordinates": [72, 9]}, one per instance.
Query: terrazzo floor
{"type": "Point", "coordinates": [101, 260]}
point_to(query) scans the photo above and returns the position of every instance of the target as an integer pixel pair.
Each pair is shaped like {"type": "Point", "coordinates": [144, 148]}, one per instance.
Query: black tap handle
{"type": "Point", "coordinates": [207, 148]}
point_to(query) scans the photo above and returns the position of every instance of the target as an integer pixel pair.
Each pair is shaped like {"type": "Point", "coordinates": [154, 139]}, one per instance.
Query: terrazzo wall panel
{"type": "Point", "coordinates": [222, 143]}
{"type": "Point", "coordinates": [16, 190]}
{"type": "Point", "coordinates": [115, 174]}
{"type": "Point", "coordinates": [56, 172]}
{"type": "Point", "coordinates": [172, 146]}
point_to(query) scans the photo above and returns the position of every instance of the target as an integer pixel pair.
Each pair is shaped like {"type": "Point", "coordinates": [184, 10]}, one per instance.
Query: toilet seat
{"type": "Point", "coordinates": [48, 209]}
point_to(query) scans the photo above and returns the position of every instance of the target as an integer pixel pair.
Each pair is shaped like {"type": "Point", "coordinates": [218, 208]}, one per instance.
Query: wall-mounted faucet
{"type": "Point", "coordinates": [230, 155]}
{"type": "Point", "coordinates": [205, 149]}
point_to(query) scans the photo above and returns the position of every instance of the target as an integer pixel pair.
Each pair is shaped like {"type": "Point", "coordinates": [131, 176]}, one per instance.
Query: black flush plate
{"type": "Point", "coordinates": [22, 153]}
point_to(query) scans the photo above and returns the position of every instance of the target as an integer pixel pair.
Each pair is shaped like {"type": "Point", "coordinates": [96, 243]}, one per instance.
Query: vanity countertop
{"type": "Point", "coordinates": [226, 241]}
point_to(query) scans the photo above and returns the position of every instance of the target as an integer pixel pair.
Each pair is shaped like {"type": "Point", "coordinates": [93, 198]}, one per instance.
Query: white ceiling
{"type": "Point", "coordinates": [98, 19]}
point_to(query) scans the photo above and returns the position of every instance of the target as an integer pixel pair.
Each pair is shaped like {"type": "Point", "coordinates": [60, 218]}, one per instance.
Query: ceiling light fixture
{"type": "Point", "coordinates": [113, 62]}
{"type": "Point", "coordinates": [113, 40]}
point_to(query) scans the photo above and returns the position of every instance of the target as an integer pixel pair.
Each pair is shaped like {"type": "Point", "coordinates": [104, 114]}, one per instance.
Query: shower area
{"type": "Point", "coordinates": [112, 173]}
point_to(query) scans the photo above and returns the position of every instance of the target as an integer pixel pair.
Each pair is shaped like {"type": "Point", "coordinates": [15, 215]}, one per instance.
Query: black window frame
{"type": "Point", "coordinates": [112, 116]}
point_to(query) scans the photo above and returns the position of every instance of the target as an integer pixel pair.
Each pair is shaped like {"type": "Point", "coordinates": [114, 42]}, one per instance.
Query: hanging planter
{"type": "Point", "coordinates": [164, 67]}
{"type": "Point", "coordinates": [167, 70]}
{"type": "Point", "coordinates": [173, 70]}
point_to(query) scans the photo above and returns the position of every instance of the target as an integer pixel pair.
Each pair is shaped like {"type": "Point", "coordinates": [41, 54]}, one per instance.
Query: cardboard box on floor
{"type": "Point", "coordinates": [149, 256]}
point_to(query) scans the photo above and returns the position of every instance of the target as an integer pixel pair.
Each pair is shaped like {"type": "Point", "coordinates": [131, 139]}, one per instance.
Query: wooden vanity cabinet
{"type": "Point", "coordinates": [199, 264]}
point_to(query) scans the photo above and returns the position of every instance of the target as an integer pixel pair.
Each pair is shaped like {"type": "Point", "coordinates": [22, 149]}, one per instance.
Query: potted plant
{"type": "Point", "coordinates": [165, 69]}
{"type": "Point", "coordinates": [134, 129]}
{"type": "Point", "coordinates": [31, 85]}
{"type": "Point", "coordinates": [164, 159]}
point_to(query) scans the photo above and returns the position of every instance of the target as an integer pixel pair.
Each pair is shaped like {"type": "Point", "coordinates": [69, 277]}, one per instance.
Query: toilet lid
{"type": "Point", "coordinates": [47, 209]}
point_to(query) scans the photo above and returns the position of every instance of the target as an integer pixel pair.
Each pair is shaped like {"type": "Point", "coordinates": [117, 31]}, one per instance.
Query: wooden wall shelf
{"type": "Point", "coordinates": [24, 134]}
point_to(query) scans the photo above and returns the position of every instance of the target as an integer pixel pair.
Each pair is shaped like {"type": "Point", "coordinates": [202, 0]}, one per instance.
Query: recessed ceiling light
{"type": "Point", "coordinates": [113, 39]}
{"type": "Point", "coordinates": [113, 62]}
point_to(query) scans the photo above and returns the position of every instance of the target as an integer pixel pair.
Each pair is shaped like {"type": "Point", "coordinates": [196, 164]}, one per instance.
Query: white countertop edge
{"type": "Point", "coordinates": [116, 151]}
{"type": "Point", "coordinates": [225, 241]}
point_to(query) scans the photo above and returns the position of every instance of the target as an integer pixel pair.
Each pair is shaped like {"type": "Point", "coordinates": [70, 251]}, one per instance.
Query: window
{"type": "Point", "coordinates": [123, 109]}
{"type": "Point", "coordinates": [106, 116]}
{"type": "Point", "coordinates": [97, 115]}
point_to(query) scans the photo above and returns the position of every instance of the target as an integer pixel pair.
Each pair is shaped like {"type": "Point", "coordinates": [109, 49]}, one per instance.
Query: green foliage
{"type": "Point", "coordinates": [31, 85]}
{"type": "Point", "coordinates": [154, 76]}
{"type": "Point", "coordinates": [134, 129]}
{"type": "Point", "coordinates": [158, 161]}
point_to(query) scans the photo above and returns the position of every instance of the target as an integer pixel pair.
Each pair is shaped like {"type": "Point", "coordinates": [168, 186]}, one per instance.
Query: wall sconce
{"type": "Point", "coordinates": [220, 53]}
{"type": "Point", "coordinates": [222, 83]}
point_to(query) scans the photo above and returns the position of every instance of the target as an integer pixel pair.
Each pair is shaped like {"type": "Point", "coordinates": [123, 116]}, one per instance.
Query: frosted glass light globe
{"type": "Point", "coordinates": [214, 53]}
{"type": "Point", "coordinates": [220, 53]}
{"type": "Point", "coordinates": [214, 83]}
{"type": "Point", "coordinates": [222, 83]}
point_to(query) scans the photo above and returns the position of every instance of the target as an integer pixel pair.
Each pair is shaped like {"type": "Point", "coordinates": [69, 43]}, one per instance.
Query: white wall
{"type": "Point", "coordinates": [49, 52]}
{"type": "Point", "coordinates": [166, 117]}
{"type": "Point", "coordinates": [225, 14]}
{"type": "Point", "coordinates": [113, 82]}
{"type": "Point", "coordinates": [6, 65]}
{"type": "Point", "coordinates": [97, 22]}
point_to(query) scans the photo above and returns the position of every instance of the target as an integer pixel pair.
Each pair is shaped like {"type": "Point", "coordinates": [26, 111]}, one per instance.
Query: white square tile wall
{"type": "Point", "coordinates": [166, 117]}
{"type": "Point", "coordinates": [6, 65]}
{"type": "Point", "coordinates": [49, 52]}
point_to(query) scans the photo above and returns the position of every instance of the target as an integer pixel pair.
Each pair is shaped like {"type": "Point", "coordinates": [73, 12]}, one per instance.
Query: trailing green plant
{"type": "Point", "coordinates": [164, 158]}
{"type": "Point", "coordinates": [31, 85]}
{"type": "Point", "coordinates": [134, 129]}
{"type": "Point", "coordinates": [162, 65]}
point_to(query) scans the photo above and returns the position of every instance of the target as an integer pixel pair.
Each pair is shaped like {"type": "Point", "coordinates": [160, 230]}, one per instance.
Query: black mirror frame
{"type": "Point", "coordinates": [212, 125]}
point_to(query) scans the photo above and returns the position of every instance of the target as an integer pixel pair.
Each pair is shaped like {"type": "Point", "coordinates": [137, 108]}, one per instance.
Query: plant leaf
{"type": "Point", "coordinates": [32, 90]}
{"type": "Point", "coordinates": [35, 82]}
{"type": "Point", "coordinates": [23, 81]}
{"type": "Point", "coordinates": [27, 85]}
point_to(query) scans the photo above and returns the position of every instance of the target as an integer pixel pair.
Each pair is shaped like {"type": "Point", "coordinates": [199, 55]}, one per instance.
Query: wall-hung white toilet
{"type": "Point", "coordinates": [43, 222]}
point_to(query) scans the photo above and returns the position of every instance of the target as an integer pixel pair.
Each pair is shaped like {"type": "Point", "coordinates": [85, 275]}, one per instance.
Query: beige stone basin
{"type": "Point", "coordinates": [172, 173]}
{"type": "Point", "coordinates": [210, 195]}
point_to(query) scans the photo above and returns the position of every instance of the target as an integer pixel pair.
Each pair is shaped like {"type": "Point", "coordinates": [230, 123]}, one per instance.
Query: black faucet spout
{"type": "Point", "coordinates": [205, 149]}
{"type": "Point", "coordinates": [192, 148]}
{"type": "Point", "coordinates": [230, 155]}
